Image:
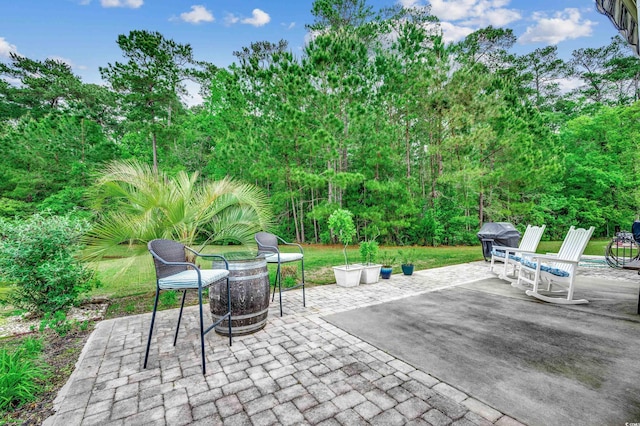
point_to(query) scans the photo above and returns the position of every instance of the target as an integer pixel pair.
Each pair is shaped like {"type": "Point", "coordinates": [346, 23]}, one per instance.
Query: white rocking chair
{"type": "Point", "coordinates": [513, 255]}
{"type": "Point", "coordinates": [555, 269]}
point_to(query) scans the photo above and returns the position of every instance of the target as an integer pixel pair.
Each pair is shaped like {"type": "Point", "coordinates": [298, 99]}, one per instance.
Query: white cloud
{"type": "Point", "coordinates": [198, 14]}
{"type": "Point", "coordinates": [563, 25]}
{"type": "Point", "coordinates": [568, 84]}
{"type": "Point", "coordinates": [6, 48]}
{"type": "Point", "coordinates": [495, 17]}
{"type": "Point", "coordinates": [453, 33]}
{"type": "Point", "coordinates": [258, 18]}
{"type": "Point", "coordinates": [133, 4]}
{"type": "Point", "coordinates": [193, 96]}
{"type": "Point", "coordinates": [289, 26]}
{"type": "Point", "coordinates": [478, 13]}
{"type": "Point", "coordinates": [409, 3]}
{"type": "Point", "coordinates": [231, 19]}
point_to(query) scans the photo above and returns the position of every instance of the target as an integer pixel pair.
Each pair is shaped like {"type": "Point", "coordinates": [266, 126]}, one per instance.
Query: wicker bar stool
{"type": "Point", "coordinates": [175, 272]}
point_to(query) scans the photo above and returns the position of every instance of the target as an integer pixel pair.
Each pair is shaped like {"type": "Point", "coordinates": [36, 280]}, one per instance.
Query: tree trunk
{"type": "Point", "coordinates": [301, 219]}
{"type": "Point", "coordinates": [407, 148]}
{"type": "Point", "coordinates": [155, 153]}
{"type": "Point", "coordinates": [481, 208]}
{"type": "Point", "coordinates": [295, 217]}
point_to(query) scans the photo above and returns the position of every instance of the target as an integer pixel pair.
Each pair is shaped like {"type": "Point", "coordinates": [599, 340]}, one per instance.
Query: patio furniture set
{"type": "Point", "coordinates": [247, 299]}
{"type": "Point", "coordinates": [532, 271]}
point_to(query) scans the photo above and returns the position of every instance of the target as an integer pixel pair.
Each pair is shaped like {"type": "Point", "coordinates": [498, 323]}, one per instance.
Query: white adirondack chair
{"type": "Point", "coordinates": [513, 255]}
{"type": "Point", "coordinates": [557, 268]}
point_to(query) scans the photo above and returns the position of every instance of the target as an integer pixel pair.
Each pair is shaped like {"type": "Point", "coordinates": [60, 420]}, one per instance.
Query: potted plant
{"type": "Point", "coordinates": [407, 257]}
{"type": "Point", "coordinates": [341, 224]}
{"type": "Point", "coordinates": [387, 265]}
{"type": "Point", "coordinates": [370, 270]}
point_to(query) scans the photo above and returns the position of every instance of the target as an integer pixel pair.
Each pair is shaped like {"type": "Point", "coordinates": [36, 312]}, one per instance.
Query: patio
{"type": "Point", "coordinates": [300, 369]}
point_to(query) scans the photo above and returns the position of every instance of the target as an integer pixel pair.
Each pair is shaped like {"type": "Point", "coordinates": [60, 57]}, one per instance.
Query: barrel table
{"type": "Point", "coordinates": [249, 284]}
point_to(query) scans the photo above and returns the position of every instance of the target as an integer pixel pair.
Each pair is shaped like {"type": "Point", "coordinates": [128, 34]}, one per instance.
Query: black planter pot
{"type": "Point", "coordinates": [407, 269]}
{"type": "Point", "coordinates": [386, 272]}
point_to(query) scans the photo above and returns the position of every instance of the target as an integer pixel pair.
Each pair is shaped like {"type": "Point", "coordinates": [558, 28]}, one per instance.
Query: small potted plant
{"type": "Point", "coordinates": [341, 224]}
{"type": "Point", "coordinates": [368, 254]}
{"type": "Point", "coordinates": [387, 265]}
{"type": "Point", "coordinates": [407, 257]}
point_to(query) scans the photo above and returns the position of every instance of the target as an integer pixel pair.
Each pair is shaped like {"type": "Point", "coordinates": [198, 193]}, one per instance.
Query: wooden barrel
{"type": "Point", "coordinates": [249, 283]}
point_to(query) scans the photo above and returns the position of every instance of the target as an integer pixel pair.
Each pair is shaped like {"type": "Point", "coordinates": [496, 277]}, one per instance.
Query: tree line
{"type": "Point", "coordinates": [422, 140]}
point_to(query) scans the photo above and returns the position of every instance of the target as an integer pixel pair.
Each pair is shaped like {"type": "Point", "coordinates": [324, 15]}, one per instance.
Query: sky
{"type": "Point", "coordinates": [83, 33]}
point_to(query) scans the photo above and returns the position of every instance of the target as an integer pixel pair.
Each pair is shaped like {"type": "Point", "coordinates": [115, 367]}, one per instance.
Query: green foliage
{"type": "Point", "coordinates": [20, 374]}
{"type": "Point", "coordinates": [387, 259]}
{"type": "Point", "coordinates": [64, 201]}
{"type": "Point", "coordinates": [151, 205]}
{"type": "Point", "coordinates": [37, 257]}
{"type": "Point", "coordinates": [369, 251]}
{"type": "Point", "coordinates": [58, 322]}
{"type": "Point", "coordinates": [378, 115]}
{"type": "Point", "coordinates": [150, 83]}
{"type": "Point", "coordinates": [10, 208]}
{"type": "Point", "coordinates": [407, 256]}
{"type": "Point", "coordinates": [341, 223]}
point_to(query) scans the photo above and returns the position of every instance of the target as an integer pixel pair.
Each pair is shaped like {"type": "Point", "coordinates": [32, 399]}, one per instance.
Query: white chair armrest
{"type": "Point", "coordinates": [554, 259]}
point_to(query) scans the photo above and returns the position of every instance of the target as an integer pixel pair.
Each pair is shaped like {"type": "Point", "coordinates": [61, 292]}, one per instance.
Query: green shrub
{"type": "Point", "coordinates": [13, 208]}
{"type": "Point", "coordinates": [60, 324]}
{"type": "Point", "coordinates": [63, 201]}
{"type": "Point", "coordinates": [56, 321]}
{"type": "Point", "coordinates": [37, 259]}
{"type": "Point", "coordinates": [19, 375]}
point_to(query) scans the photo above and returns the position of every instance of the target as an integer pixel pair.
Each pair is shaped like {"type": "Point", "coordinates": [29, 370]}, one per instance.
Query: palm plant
{"type": "Point", "coordinates": [144, 205]}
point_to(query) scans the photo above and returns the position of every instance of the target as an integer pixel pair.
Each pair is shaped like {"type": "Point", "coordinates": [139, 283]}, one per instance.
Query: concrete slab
{"type": "Point", "coordinates": [539, 363]}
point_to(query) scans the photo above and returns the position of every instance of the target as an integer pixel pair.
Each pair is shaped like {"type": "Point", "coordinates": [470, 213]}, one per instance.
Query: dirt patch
{"type": "Point", "coordinates": [322, 275]}
{"type": "Point", "coordinates": [23, 324]}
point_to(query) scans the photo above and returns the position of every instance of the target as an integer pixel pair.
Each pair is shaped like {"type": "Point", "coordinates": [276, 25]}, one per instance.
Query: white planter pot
{"type": "Point", "coordinates": [347, 277]}
{"type": "Point", "coordinates": [370, 274]}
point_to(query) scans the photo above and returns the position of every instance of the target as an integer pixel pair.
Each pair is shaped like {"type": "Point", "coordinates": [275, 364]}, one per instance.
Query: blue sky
{"type": "Point", "coordinates": [83, 33]}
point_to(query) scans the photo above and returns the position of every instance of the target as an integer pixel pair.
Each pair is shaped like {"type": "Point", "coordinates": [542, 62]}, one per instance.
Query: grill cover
{"type": "Point", "coordinates": [635, 228]}
{"type": "Point", "coordinates": [498, 233]}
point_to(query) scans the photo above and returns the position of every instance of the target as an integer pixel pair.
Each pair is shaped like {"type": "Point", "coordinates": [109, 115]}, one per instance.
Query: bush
{"type": "Point", "coordinates": [63, 201]}
{"type": "Point", "coordinates": [37, 259]}
{"type": "Point", "coordinates": [14, 208]}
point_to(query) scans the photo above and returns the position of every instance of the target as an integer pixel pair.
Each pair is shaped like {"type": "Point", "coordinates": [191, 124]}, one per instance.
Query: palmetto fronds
{"type": "Point", "coordinates": [145, 205]}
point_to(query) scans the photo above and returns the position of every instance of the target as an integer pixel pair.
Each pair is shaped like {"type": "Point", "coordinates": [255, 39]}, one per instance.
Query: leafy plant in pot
{"type": "Point", "coordinates": [407, 257]}
{"type": "Point", "coordinates": [368, 254]}
{"type": "Point", "coordinates": [387, 265]}
{"type": "Point", "coordinates": [341, 224]}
